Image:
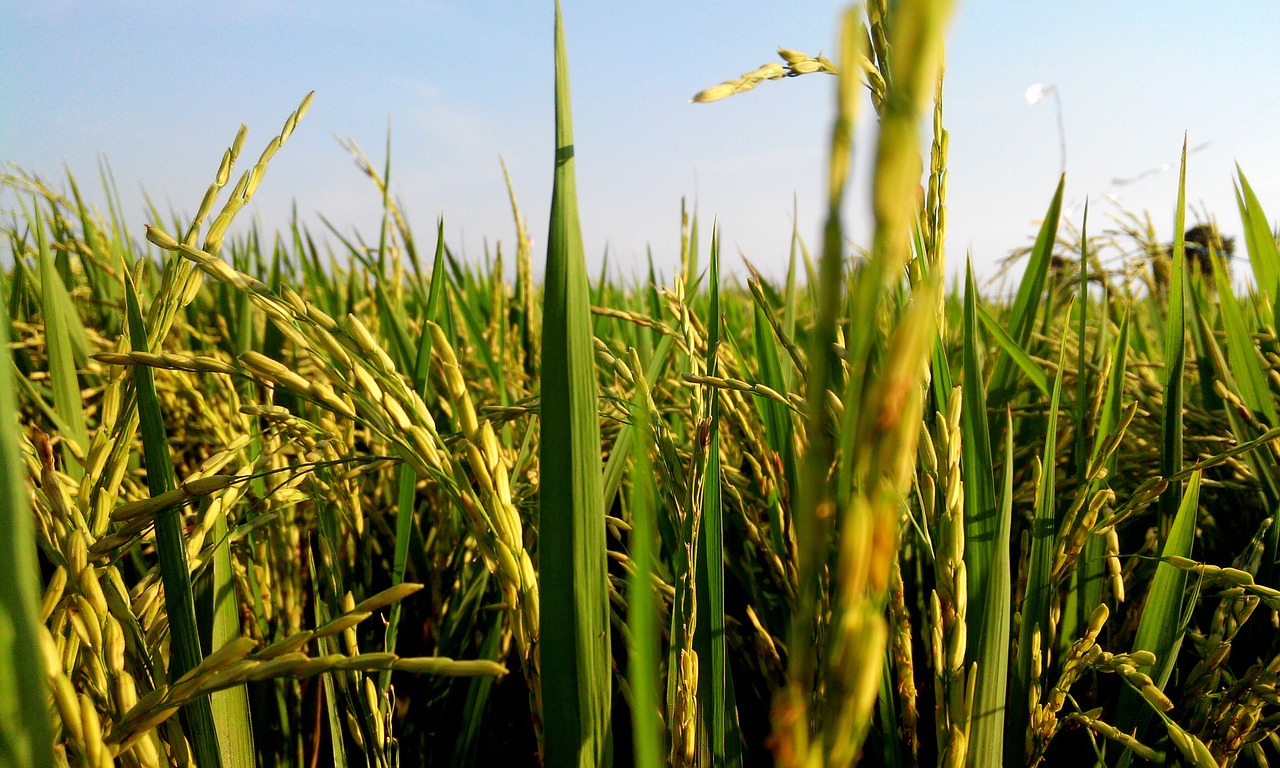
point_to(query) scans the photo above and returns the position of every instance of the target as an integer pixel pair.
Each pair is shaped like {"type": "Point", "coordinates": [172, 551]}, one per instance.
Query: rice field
{"type": "Point", "coordinates": [282, 500]}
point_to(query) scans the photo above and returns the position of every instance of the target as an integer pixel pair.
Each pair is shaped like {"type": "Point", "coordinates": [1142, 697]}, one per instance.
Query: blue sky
{"type": "Point", "coordinates": [159, 89]}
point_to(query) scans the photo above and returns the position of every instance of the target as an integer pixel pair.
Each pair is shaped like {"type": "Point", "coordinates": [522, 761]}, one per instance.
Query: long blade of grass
{"type": "Point", "coordinates": [478, 690]}
{"type": "Point", "coordinates": [391, 317]}
{"type": "Point", "coordinates": [332, 707]}
{"type": "Point", "coordinates": [106, 292]}
{"type": "Point", "coordinates": [1157, 628]}
{"type": "Point", "coordinates": [1174, 360]}
{"type": "Point", "coordinates": [230, 707]}
{"type": "Point", "coordinates": [1081, 411]}
{"type": "Point", "coordinates": [1091, 567]}
{"type": "Point", "coordinates": [220, 613]}
{"type": "Point", "coordinates": [524, 288]}
{"type": "Point", "coordinates": [407, 477]}
{"type": "Point", "coordinates": [26, 737]}
{"type": "Point", "coordinates": [1246, 366]}
{"type": "Point", "coordinates": [575, 647]}
{"type": "Point", "coordinates": [1015, 352]}
{"type": "Point", "coordinates": [1035, 627]}
{"type": "Point", "coordinates": [791, 298]}
{"type": "Point", "coordinates": [990, 691]}
{"type": "Point", "coordinates": [1027, 302]}
{"type": "Point", "coordinates": [59, 319]}
{"type": "Point", "coordinates": [1240, 372]}
{"type": "Point", "coordinates": [1113, 399]}
{"type": "Point", "coordinates": [1264, 255]}
{"type": "Point", "coordinates": [475, 331]}
{"type": "Point", "coordinates": [779, 429]}
{"type": "Point", "coordinates": [1161, 628]}
{"type": "Point", "coordinates": [1201, 332]}
{"type": "Point", "coordinates": [1082, 360]}
{"type": "Point", "coordinates": [709, 635]}
{"type": "Point", "coordinates": [890, 722]}
{"type": "Point", "coordinates": [643, 668]}
{"type": "Point", "coordinates": [980, 515]}
{"type": "Point", "coordinates": [1073, 614]}
{"type": "Point", "coordinates": [622, 444]}
{"type": "Point", "coordinates": [170, 545]}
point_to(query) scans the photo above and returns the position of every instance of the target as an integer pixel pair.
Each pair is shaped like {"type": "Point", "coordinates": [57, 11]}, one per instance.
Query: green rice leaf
{"type": "Point", "coordinates": [1163, 624]}
{"type": "Point", "coordinates": [26, 735]}
{"type": "Point", "coordinates": [1175, 359]}
{"type": "Point", "coordinates": [709, 636]}
{"type": "Point", "coordinates": [1015, 352]}
{"type": "Point", "coordinates": [171, 546]}
{"type": "Point", "coordinates": [1113, 399]}
{"type": "Point", "coordinates": [229, 707]}
{"type": "Point", "coordinates": [622, 444]}
{"type": "Point", "coordinates": [1081, 410]}
{"type": "Point", "coordinates": [1027, 303]}
{"type": "Point", "coordinates": [1036, 601]}
{"type": "Point", "coordinates": [886, 705]}
{"type": "Point", "coordinates": [1091, 567]}
{"type": "Point", "coordinates": [791, 299]}
{"type": "Point", "coordinates": [1161, 628]}
{"type": "Point", "coordinates": [778, 424]}
{"type": "Point", "coordinates": [987, 734]}
{"type": "Point", "coordinates": [478, 343]}
{"type": "Point", "coordinates": [399, 347]}
{"type": "Point", "coordinates": [1245, 364]}
{"type": "Point", "coordinates": [407, 477]}
{"type": "Point", "coordinates": [575, 646]}
{"type": "Point", "coordinates": [1264, 256]}
{"type": "Point", "coordinates": [59, 319]}
{"type": "Point", "coordinates": [217, 609]}
{"type": "Point", "coordinates": [643, 668]}
{"type": "Point", "coordinates": [980, 513]}
{"type": "Point", "coordinates": [332, 705]}
{"type": "Point", "coordinates": [1073, 613]}
{"type": "Point", "coordinates": [478, 690]}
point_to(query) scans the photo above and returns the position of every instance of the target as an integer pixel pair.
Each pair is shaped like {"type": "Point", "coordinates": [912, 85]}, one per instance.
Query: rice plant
{"type": "Point", "coordinates": [300, 499]}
